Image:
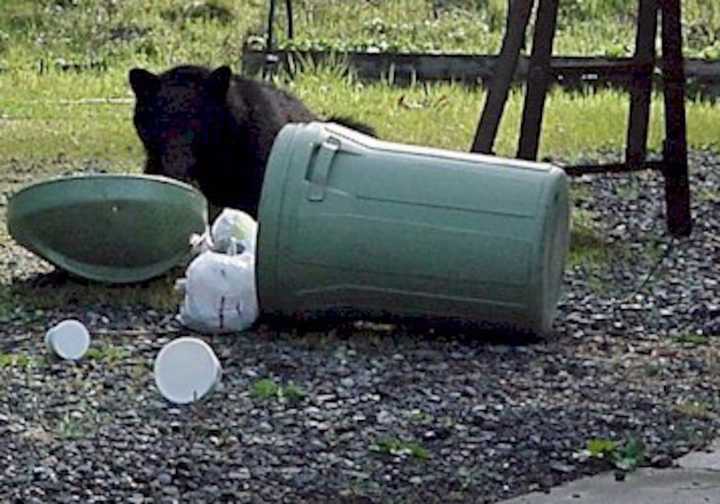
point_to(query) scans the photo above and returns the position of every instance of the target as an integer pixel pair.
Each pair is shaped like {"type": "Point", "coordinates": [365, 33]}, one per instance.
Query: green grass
{"type": "Point", "coordinates": [599, 27]}
{"type": "Point", "coordinates": [170, 30]}
{"type": "Point", "coordinates": [53, 110]}
{"type": "Point", "coordinates": [108, 354]}
{"type": "Point", "coordinates": [587, 246]}
{"type": "Point", "coordinates": [158, 294]}
{"type": "Point", "coordinates": [692, 339]}
{"type": "Point", "coordinates": [49, 110]}
{"type": "Point", "coordinates": [16, 360]}
{"type": "Point", "coordinates": [696, 410]}
{"type": "Point", "coordinates": [266, 389]}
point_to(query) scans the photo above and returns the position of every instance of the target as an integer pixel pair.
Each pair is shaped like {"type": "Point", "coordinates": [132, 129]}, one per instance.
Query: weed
{"type": "Point", "coordinates": [601, 448]}
{"type": "Point", "coordinates": [266, 389]}
{"type": "Point", "coordinates": [629, 456]}
{"type": "Point", "coordinates": [70, 427]}
{"type": "Point", "coordinates": [626, 457]}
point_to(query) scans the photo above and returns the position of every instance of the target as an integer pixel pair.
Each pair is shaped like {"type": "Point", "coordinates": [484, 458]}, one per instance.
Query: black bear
{"type": "Point", "coordinates": [215, 129]}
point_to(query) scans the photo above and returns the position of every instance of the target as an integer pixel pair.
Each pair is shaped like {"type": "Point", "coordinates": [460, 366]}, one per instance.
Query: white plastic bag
{"type": "Point", "coordinates": [220, 293]}
{"type": "Point", "coordinates": [230, 226]}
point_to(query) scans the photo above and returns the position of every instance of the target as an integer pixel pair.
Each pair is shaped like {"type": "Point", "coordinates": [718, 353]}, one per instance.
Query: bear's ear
{"type": "Point", "coordinates": [143, 83]}
{"type": "Point", "coordinates": [219, 81]}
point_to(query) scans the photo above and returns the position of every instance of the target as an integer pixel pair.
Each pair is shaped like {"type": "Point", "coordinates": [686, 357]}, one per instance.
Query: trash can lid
{"type": "Point", "coordinates": [106, 227]}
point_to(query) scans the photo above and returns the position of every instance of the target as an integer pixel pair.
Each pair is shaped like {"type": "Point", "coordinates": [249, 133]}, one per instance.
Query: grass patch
{"type": "Point", "coordinates": [109, 354]}
{"type": "Point", "coordinates": [15, 360]}
{"type": "Point", "coordinates": [50, 110]}
{"type": "Point", "coordinates": [692, 339]}
{"type": "Point", "coordinates": [57, 289]}
{"type": "Point", "coordinates": [587, 247]}
{"type": "Point", "coordinates": [696, 410]}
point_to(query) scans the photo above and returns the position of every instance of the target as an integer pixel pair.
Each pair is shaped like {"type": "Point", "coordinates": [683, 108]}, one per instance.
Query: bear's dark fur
{"type": "Point", "coordinates": [214, 128]}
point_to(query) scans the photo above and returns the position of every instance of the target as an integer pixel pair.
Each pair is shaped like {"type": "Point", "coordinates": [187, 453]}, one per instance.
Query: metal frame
{"type": "Point", "coordinates": [674, 165]}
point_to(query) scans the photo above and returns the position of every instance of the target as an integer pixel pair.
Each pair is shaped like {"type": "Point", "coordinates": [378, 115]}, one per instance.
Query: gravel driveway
{"type": "Point", "coordinates": [382, 413]}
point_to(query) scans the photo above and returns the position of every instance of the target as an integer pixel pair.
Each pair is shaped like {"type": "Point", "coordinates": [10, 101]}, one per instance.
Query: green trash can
{"type": "Point", "coordinates": [351, 225]}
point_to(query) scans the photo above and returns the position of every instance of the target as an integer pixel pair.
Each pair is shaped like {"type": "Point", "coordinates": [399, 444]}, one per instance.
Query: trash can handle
{"type": "Point", "coordinates": [321, 168]}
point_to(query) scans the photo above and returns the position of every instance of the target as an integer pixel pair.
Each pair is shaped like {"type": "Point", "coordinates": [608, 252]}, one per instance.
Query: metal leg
{"type": "Point", "coordinates": [641, 91]}
{"type": "Point", "coordinates": [538, 79]}
{"type": "Point", "coordinates": [677, 188]}
{"type": "Point", "coordinates": [518, 17]}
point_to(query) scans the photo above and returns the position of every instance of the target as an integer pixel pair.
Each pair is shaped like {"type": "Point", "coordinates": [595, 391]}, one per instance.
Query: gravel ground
{"type": "Point", "coordinates": [386, 414]}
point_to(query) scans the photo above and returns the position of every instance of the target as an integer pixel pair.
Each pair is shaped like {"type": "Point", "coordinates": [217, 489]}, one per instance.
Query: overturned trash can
{"type": "Point", "coordinates": [353, 226]}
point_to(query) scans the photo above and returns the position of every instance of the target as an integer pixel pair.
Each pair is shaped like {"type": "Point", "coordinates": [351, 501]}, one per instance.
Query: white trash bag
{"type": "Point", "coordinates": [230, 226]}
{"type": "Point", "coordinates": [220, 292]}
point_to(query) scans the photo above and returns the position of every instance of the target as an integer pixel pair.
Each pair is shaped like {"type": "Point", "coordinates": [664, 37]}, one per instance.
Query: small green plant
{"type": "Point", "coordinates": [601, 448]}
{"type": "Point", "coordinates": [630, 455]}
{"type": "Point", "coordinates": [398, 447]}
{"type": "Point", "coordinates": [69, 427]}
{"type": "Point", "coordinates": [266, 389]}
{"type": "Point", "coordinates": [625, 457]}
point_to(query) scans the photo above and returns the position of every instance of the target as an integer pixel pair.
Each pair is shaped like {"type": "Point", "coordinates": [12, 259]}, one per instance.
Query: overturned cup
{"type": "Point", "coordinates": [69, 339]}
{"type": "Point", "coordinates": [186, 369]}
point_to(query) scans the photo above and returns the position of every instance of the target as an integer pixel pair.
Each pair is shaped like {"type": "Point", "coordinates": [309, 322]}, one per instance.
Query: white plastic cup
{"type": "Point", "coordinates": [68, 340]}
{"type": "Point", "coordinates": [186, 369]}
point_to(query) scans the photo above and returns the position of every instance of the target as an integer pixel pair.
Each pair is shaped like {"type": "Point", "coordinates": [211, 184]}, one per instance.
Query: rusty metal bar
{"type": "Point", "coordinates": [504, 70]}
{"type": "Point", "coordinates": [641, 91]}
{"type": "Point", "coordinates": [677, 188]}
{"type": "Point", "coordinates": [538, 79]}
